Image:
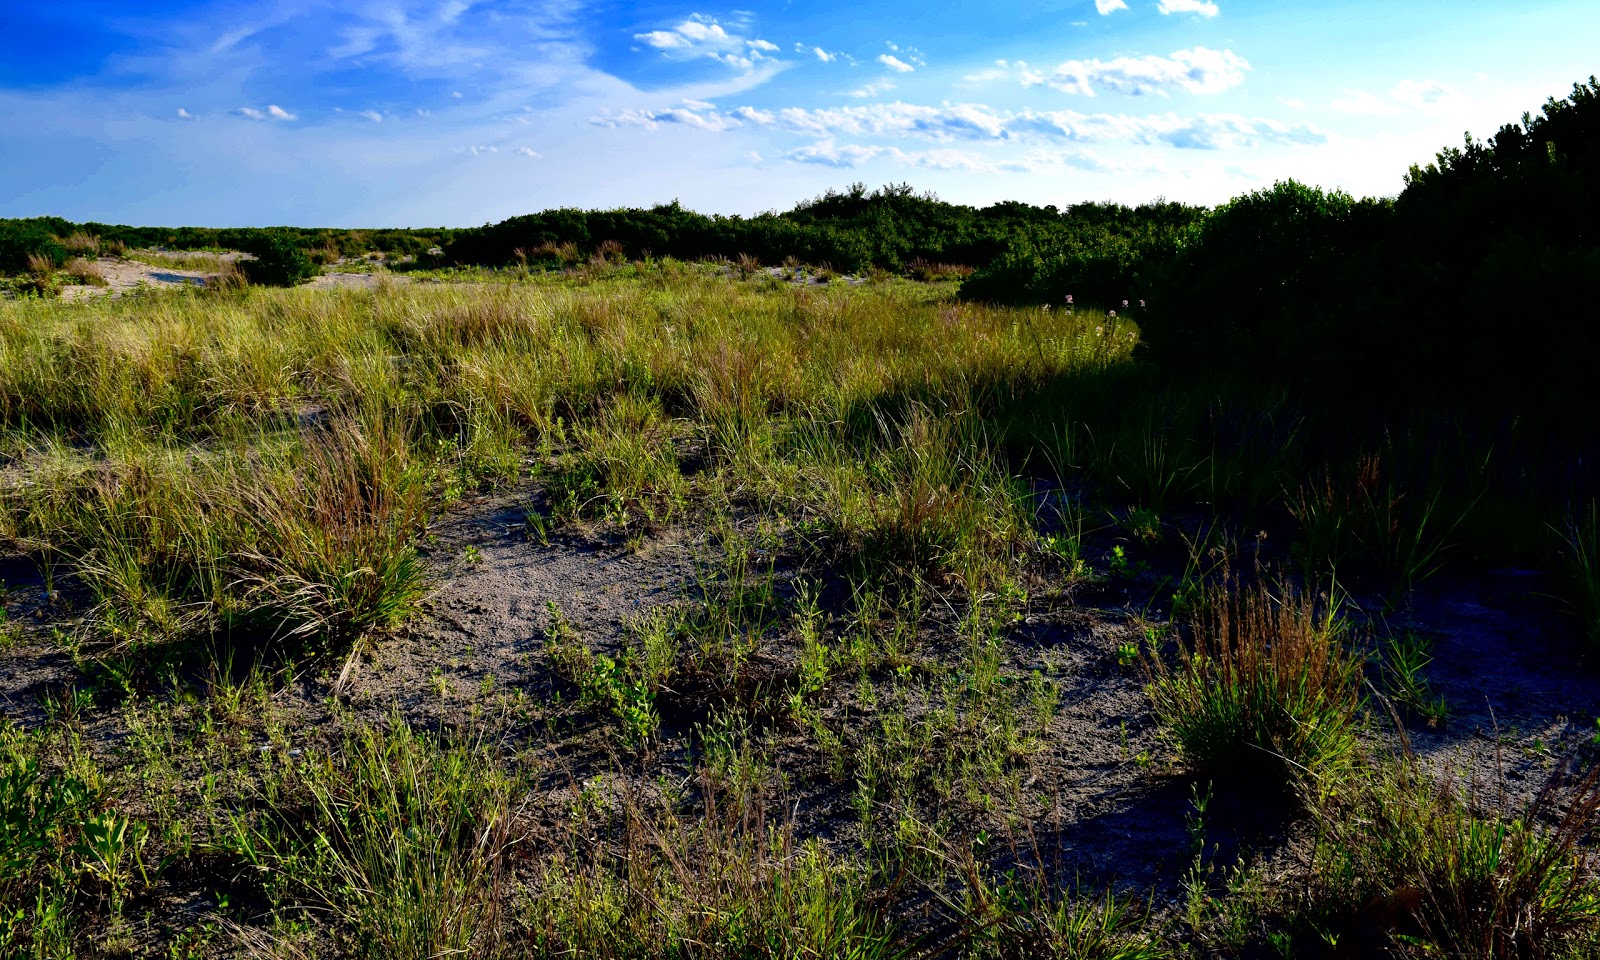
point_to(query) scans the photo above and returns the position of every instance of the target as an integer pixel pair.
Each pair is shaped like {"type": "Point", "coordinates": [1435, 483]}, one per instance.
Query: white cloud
{"type": "Point", "coordinates": [184, 114]}
{"type": "Point", "coordinates": [455, 94]}
{"type": "Point", "coordinates": [1107, 7]}
{"type": "Point", "coordinates": [1293, 103]}
{"type": "Point", "coordinates": [868, 90]}
{"type": "Point", "coordinates": [1423, 94]}
{"type": "Point", "coordinates": [829, 153]}
{"type": "Point", "coordinates": [476, 150]}
{"type": "Point", "coordinates": [1204, 8]}
{"type": "Point", "coordinates": [273, 112]}
{"type": "Point", "coordinates": [823, 55]}
{"type": "Point", "coordinates": [978, 123]}
{"type": "Point", "coordinates": [895, 63]}
{"type": "Point", "coordinates": [702, 36]}
{"type": "Point", "coordinates": [528, 152]}
{"type": "Point", "coordinates": [1365, 102]}
{"type": "Point", "coordinates": [372, 115]}
{"type": "Point", "coordinates": [1199, 70]}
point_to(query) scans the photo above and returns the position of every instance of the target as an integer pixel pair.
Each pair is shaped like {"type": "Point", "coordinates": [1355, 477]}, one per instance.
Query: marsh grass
{"type": "Point", "coordinates": [249, 474]}
{"type": "Point", "coordinates": [199, 261]}
{"type": "Point", "coordinates": [721, 881]}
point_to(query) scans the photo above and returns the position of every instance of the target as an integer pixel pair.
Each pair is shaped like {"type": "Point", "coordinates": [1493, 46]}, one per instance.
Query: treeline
{"type": "Point", "coordinates": [1482, 276]}
{"type": "Point", "coordinates": [892, 229]}
{"type": "Point", "coordinates": [56, 240]}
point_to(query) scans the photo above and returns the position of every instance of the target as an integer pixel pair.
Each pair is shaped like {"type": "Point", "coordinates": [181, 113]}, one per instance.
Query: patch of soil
{"type": "Point", "coordinates": [487, 617]}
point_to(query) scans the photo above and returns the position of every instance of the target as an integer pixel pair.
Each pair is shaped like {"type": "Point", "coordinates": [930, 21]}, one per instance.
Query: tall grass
{"type": "Point", "coordinates": [264, 458]}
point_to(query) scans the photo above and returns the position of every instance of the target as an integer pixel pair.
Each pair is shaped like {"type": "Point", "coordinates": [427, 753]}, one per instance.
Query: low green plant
{"type": "Point", "coordinates": [624, 685]}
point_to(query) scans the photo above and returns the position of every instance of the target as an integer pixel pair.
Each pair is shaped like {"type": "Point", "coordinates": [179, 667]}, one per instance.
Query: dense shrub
{"type": "Point", "coordinates": [852, 231]}
{"type": "Point", "coordinates": [21, 240]}
{"type": "Point", "coordinates": [279, 260]}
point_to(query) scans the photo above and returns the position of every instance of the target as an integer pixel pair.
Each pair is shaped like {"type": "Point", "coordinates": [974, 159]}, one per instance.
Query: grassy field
{"type": "Point", "coordinates": [658, 610]}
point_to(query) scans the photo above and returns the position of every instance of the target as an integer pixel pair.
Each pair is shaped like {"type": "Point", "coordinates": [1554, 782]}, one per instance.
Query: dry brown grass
{"type": "Point", "coordinates": [86, 272]}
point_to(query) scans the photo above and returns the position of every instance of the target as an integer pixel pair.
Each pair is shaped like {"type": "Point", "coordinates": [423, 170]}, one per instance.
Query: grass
{"type": "Point", "coordinates": [1580, 571]}
{"type": "Point", "coordinates": [1262, 693]}
{"type": "Point", "coordinates": [198, 261]}
{"type": "Point", "coordinates": [919, 532]}
{"type": "Point", "coordinates": [1454, 875]}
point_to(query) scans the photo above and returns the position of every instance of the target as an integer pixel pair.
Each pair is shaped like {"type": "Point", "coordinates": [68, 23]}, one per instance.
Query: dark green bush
{"type": "Point", "coordinates": [21, 239]}
{"type": "Point", "coordinates": [279, 260]}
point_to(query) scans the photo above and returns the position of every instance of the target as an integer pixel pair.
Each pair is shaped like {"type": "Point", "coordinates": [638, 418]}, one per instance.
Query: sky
{"type": "Point", "coordinates": [460, 112]}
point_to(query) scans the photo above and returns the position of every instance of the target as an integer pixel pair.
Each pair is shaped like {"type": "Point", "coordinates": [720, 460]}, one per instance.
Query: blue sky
{"type": "Point", "coordinates": [455, 112]}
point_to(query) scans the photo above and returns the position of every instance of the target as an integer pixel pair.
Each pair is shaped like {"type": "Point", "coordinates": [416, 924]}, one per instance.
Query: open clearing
{"type": "Point", "coordinates": [654, 611]}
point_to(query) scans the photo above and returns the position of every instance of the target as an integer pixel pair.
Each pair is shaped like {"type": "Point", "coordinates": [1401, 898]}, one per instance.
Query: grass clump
{"type": "Point", "coordinates": [402, 839]}
{"type": "Point", "coordinates": [725, 883]}
{"type": "Point", "coordinates": [1425, 869]}
{"type": "Point", "coordinates": [1262, 691]}
{"type": "Point", "coordinates": [1025, 919]}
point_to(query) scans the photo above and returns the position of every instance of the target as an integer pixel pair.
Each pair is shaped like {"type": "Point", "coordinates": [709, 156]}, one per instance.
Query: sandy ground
{"type": "Point", "coordinates": [126, 276]}
{"type": "Point", "coordinates": [1111, 807]}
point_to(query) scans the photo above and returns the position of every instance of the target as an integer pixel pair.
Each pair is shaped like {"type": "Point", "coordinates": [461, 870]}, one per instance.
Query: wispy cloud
{"type": "Point", "coordinates": [1199, 70]}
{"type": "Point", "coordinates": [703, 36]}
{"type": "Point", "coordinates": [1203, 8]}
{"type": "Point", "coordinates": [528, 152]}
{"type": "Point", "coordinates": [1424, 94]}
{"type": "Point", "coordinates": [895, 63]}
{"type": "Point", "coordinates": [951, 123]}
{"type": "Point", "coordinates": [828, 153]}
{"type": "Point", "coordinates": [1407, 96]}
{"type": "Point", "coordinates": [873, 89]}
{"type": "Point", "coordinates": [372, 115]}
